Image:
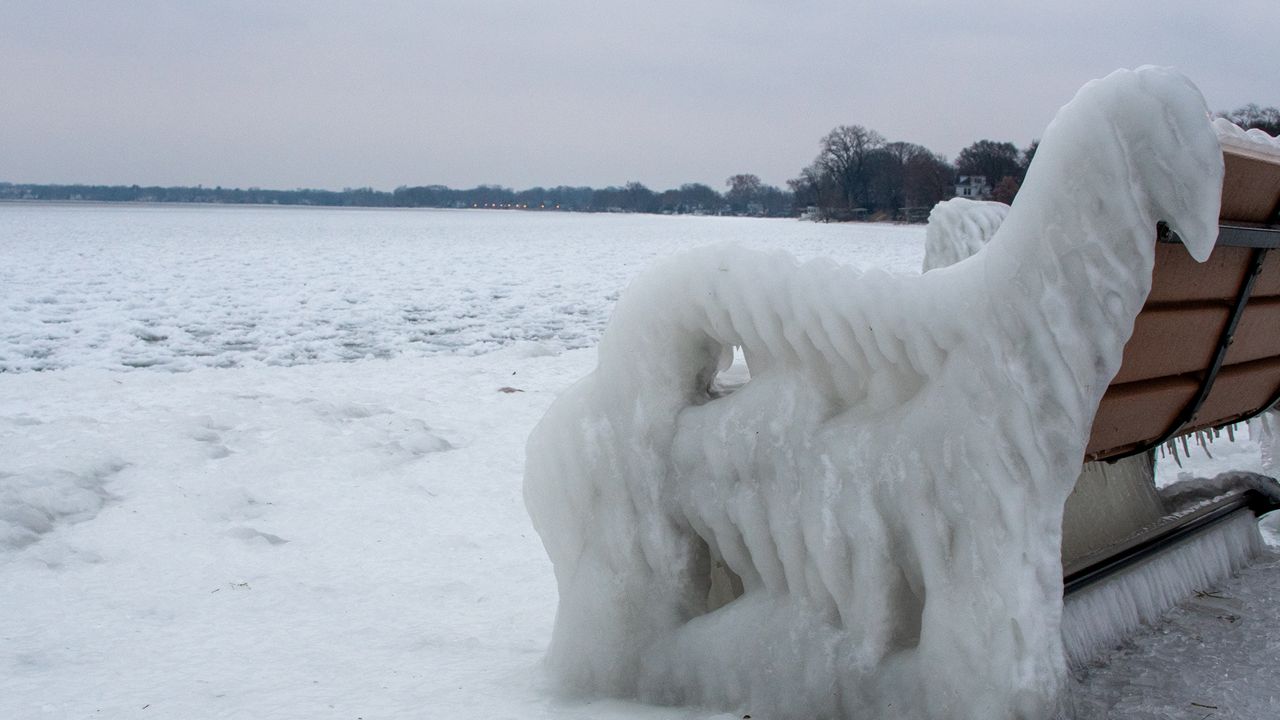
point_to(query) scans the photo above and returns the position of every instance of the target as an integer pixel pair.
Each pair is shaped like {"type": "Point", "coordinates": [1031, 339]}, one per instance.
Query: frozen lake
{"type": "Point", "coordinates": [181, 287]}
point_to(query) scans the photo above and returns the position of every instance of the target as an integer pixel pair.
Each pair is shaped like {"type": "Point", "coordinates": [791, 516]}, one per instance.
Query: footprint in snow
{"type": "Point", "coordinates": [215, 448]}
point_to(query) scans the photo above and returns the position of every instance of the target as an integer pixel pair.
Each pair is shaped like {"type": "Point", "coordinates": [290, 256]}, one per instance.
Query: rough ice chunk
{"type": "Point", "coordinates": [959, 228]}
{"type": "Point", "coordinates": [1189, 491]}
{"type": "Point", "coordinates": [1248, 142]}
{"type": "Point", "coordinates": [883, 497]}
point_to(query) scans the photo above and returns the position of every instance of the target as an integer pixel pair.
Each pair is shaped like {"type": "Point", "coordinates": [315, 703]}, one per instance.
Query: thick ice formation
{"type": "Point", "coordinates": [1105, 614]}
{"type": "Point", "coordinates": [1265, 428]}
{"type": "Point", "coordinates": [887, 489]}
{"type": "Point", "coordinates": [1100, 617]}
{"type": "Point", "coordinates": [1250, 142]}
{"type": "Point", "coordinates": [1186, 493]}
{"type": "Point", "coordinates": [959, 228]}
{"type": "Point", "coordinates": [1111, 502]}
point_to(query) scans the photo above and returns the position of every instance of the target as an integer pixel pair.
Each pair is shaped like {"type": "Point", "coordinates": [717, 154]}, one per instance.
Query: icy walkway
{"type": "Point", "coordinates": [1215, 656]}
{"type": "Point", "coordinates": [348, 540]}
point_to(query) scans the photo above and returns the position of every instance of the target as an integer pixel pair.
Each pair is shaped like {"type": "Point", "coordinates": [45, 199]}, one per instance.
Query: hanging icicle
{"type": "Point", "coordinates": [1205, 438]}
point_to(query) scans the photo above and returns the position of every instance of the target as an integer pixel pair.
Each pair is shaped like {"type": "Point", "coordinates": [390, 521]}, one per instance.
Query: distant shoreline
{"type": "Point", "coordinates": [197, 204]}
{"type": "Point", "coordinates": [689, 199]}
{"type": "Point", "coordinates": [359, 208]}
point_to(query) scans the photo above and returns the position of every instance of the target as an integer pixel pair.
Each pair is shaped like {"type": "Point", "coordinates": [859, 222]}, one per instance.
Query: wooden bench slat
{"type": "Point", "coordinates": [1250, 188]}
{"type": "Point", "coordinates": [1184, 342]}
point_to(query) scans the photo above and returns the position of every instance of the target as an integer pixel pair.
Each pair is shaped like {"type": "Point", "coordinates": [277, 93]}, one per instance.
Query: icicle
{"type": "Point", "coordinates": [1186, 449]}
{"type": "Point", "coordinates": [1231, 432]}
{"type": "Point", "coordinates": [1173, 450]}
{"type": "Point", "coordinates": [1205, 439]}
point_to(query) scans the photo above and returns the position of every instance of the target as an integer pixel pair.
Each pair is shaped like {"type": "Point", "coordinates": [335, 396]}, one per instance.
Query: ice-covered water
{"type": "Point", "coordinates": [181, 287]}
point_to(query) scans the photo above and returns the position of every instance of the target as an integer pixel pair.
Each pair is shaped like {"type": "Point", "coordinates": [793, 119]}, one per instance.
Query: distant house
{"type": "Point", "coordinates": [973, 187]}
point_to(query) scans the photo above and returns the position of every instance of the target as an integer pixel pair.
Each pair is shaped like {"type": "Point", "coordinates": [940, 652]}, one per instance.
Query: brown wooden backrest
{"type": "Point", "coordinates": [1205, 350]}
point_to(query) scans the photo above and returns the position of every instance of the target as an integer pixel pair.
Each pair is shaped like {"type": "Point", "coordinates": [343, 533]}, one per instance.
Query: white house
{"type": "Point", "coordinates": [973, 187]}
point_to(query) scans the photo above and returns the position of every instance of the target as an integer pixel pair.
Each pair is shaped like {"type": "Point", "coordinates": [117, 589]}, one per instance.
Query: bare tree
{"type": "Point", "coordinates": [927, 180]}
{"type": "Point", "coordinates": [1029, 154]}
{"type": "Point", "coordinates": [743, 189]}
{"type": "Point", "coordinates": [1266, 119]}
{"type": "Point", "coordinates": [991, 159]}
{"type": "Point", "coordinates": [844, 155]}
{"type": "Point", "coordinates": [888, 168]}
{"type": "Point", "coordinates": [806, 189]}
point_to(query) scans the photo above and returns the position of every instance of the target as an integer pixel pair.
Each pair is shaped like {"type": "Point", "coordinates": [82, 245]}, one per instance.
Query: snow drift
{"type": "Point", "coordinates": [870, 525]}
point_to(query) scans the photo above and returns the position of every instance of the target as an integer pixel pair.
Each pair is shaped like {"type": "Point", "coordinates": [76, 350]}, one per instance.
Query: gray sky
{"type": "Point", "coordinates": [331, 94]}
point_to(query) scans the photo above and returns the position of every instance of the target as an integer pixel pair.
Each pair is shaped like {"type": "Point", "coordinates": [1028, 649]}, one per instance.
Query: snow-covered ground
{"type": "Point", "coordinates": [292, 537]}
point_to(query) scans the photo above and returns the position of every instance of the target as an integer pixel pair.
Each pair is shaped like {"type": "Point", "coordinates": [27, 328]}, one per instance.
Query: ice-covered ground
{"type": "Point", "coordinates": [348, 539]}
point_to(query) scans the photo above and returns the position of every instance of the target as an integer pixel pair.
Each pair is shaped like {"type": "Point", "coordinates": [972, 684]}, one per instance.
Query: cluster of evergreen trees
{"type": "Point", "coordinates": [858, 174]}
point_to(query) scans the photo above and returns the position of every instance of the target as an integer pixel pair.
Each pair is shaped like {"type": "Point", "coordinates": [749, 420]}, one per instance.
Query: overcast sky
{"type": "Point", "coordinates": [331, 94]}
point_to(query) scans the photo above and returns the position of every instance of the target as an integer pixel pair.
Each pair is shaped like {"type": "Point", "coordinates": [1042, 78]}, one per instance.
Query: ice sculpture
{"type": "Point", "coordinates": [870, 526]}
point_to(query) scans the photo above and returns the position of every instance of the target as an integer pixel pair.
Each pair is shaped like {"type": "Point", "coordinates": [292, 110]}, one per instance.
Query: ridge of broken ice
{"type": "Point", "coordinates": [959, 228]}
{"type": "Point", "coordinates": [176, 288]}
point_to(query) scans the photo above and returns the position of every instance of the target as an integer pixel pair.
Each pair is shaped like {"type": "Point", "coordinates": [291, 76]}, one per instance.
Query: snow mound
{"type": "Point", "coordinates": [870, 525]}
{"type": "Point", "coordinates": [959, 228]}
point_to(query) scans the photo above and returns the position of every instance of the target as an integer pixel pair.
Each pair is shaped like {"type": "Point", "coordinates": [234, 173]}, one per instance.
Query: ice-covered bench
{"type": "Point", "coordinates": [1205, 350]}
{"type": "Point", "coordinates": [870, 526]}
{"type": "Point", "coordinates": [1204, 355]}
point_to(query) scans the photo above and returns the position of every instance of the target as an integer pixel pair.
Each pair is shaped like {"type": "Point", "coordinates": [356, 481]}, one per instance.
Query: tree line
{"type": "Point", "coordinates": [746, 195]}
{"type": "Point", "coordinates": [857, 174]}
